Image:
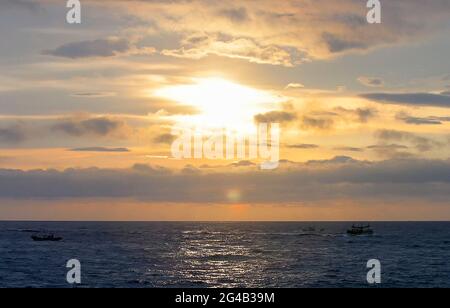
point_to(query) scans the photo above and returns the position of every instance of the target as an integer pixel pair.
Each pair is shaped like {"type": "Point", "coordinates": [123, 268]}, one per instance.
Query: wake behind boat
{"type": "Point", "coordinates": [360, 230]}
{"type": "Point", "coordinates": [46, 238]}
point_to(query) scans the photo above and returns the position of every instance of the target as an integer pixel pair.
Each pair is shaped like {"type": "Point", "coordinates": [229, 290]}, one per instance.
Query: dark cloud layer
{"type": "Point", "coordinates": [310, 122]}
{"type": "Point", "coordinates": [421, 143]}
{"type": "Point", "coordinates": [100, 149]}
{"type": "Point", "coordinates": [44, 130]}
{"type": "Point", "coordinates": [108, 47]}
{"type": "Point", "coordinates": [433, 120]}
{"type": "Point", "coordinates": [164, 138]}
{"type": "Point", "coordinates": [338, 44]}
{"type": "Point", "coordinates": [326, 120]}
{"type": "Point", "coordinates": [237, 15]}
{"type": "Point", "coordinates": [19, 4]}
{"type": "Point", "coordinates": [96, 126]}
{"type": "Point", "coordinates": [335, 160]}
{"type": "Point", "coordinates": [85, 49]}
{"type": "Point", "coordinates": [13, 134]}
{"type": "Point", "coordinates": [391, 150]}
{"type": "Point", "coordinates": [362, 115]}
{"type": "Point", "coordinates": [275, 117]}
{"type": "Point", "coordinates": [413, 99]}
{"type": "Point", "coordinates": [349, 149]}
{"type": "Point", "coordinates": [344, 177]}
{"type": "Point", "coordinates": [303, 146]}
{"type": "Point", "coordinates": [371, 81]}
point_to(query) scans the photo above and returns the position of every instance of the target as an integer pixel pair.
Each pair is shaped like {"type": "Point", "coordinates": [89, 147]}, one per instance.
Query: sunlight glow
{"type": "Point", "coordinates": [221, 103]}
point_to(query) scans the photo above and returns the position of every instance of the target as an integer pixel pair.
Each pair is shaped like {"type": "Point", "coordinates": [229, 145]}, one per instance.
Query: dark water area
{"type": "Point", "coordinates": [159, 254]}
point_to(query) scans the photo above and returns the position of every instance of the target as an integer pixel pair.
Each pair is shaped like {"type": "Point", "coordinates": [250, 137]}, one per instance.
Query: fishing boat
{"type": "Point", "coordinates": [46, 238]}
{"type": "Point", "coordinates": [360, 230]}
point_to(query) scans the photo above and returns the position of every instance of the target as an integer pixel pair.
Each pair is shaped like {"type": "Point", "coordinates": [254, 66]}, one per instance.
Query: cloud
{"type": "Point", "coordinates": [200, 46]}
{"type": "Point", "coordinates": [284, 33]}
{"type": "Point", "coordinates": [433, 120]}
{"type": "Point", "coordinates": [341, 177]}
{"type": "Point", "coordinates": [100, 149]}
{"type": "Point", "coordinates": [51, 130]}
{"type": "Point", "coordinates": [388, 147]}
{"type": "Point", "coordinates": [94, 94]}
{"type": "Point", "coordinates": [349, 149]}
{"type": "Point", "coordinates": [365, 114]}
{"type": "Point", "coordinates": [150, 170]}
{"type": "Point", "coordinates": [243, 163]}
{"type": "Point", "coordinates": [397, 151]}
{"type": "Point", "coordinates": [97, 48]}
{"type": "Point", "coordinates": [19, 4]}
{"type": "Point", "coordinates": [275, 117]}
{"type": "Point", "coordinates": [295, 86]}
{"type": "Point", "coordinates": [237, 15]}
{"type": "Point", "coordinates": [422, 144]}
{"type": "Point", "coordinates": [101, 126]}
{"type": "Point", "coordinates": [326, 120]}
{"type": "Point", "coordinates": [336, 44]}
{"type": "Point", "coordinates": [164, 138]}
{"type": "Point", "coordinates": [371, 81]}
{"type": "Point", "coordinates": [13, 134]}
{"type": "Point", "coordinates": [412, 99]}
{"type": "Point", "coordinates": [303, 146]}
{"type": "Point", "coordinates": [362, 115]}
{"type": "Point", "coordinates": [321, 123]}
{"type": "Point", "coordinates": [335, 160]}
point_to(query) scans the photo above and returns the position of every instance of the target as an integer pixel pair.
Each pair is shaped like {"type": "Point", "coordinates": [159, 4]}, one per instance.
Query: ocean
{"type": "Point", "coordinates": [201, 255]}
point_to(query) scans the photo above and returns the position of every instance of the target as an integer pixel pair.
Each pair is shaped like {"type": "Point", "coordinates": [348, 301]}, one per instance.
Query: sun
{"type": "Point", "coordinates": [222, 103]}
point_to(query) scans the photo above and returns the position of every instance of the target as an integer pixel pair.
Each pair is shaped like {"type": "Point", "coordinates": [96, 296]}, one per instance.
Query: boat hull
{"type": "Point", "coordinates": [352, 232]}
{"type": "Point", "coordinates": [39, 239]}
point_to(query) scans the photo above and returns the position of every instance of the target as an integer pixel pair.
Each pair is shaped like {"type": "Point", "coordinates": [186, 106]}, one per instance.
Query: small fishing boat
{"type": "Point", "coordinates": [360, 230]}
{"type": "Point", "coordinates": [46, 238]}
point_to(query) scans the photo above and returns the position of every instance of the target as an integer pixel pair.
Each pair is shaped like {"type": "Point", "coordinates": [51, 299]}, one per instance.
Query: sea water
{"type": "Point", "coordinates": [158, 254]}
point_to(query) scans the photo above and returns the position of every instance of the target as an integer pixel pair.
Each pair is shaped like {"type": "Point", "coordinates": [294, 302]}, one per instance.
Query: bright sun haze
{"type": "Point", "coordinates": [222, 103]}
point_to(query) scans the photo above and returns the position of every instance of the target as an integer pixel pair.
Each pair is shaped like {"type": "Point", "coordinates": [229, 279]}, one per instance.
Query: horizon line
{"type": "Point", "coordinates": [227, 221]}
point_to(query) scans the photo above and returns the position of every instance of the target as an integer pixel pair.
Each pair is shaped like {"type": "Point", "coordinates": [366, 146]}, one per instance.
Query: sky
{"type": "Point", "coordinates": [87, 110]}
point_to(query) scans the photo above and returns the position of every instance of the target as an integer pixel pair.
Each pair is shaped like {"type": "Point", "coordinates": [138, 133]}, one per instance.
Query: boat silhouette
{"type": "Point", "coordinates": [360, 230]}
{"type": "Point", "coordinates": [46, 238]}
